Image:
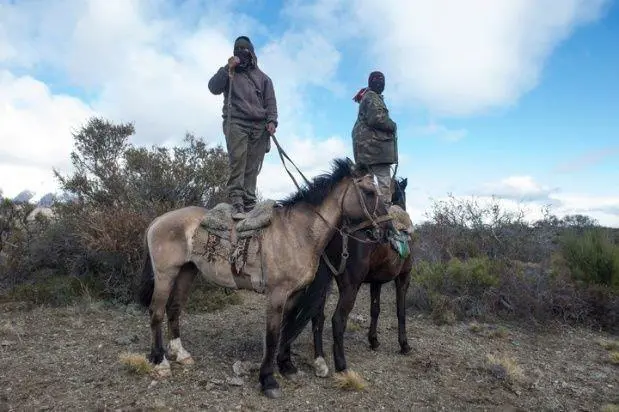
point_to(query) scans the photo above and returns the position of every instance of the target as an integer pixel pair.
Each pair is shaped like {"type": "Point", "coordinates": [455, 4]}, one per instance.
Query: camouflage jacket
{"type": "Point", "coordinates": [373, 135]}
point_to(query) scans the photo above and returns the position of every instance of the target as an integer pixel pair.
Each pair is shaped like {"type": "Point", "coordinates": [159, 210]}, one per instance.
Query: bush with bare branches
{"type": "Point", "coordinates": [97, 232]}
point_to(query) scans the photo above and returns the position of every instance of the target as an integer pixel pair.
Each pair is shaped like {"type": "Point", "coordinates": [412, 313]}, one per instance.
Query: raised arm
{"type": "Point", "coordinates": [218, 82]}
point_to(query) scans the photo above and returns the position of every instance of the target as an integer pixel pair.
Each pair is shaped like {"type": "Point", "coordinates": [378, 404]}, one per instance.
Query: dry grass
{"type": "Point", "coordinates": [476, 327]}
{"type": "Point", "coordinates": [352, 326]}
{"type": "Point", "coordinates": [489, 331]}
{"type": "Point", "coordinates": [505, 368]}
{"type": "Point", "coordinates": [350, 380]}
{"type": "Point", "coordinates": [614, 357]}
{"type": "Point", "coordinates": [612, 345]}
{"type": "Point", "coordinates": [136, 363]}
{"type": "Point", "coordinates": [610, 407]}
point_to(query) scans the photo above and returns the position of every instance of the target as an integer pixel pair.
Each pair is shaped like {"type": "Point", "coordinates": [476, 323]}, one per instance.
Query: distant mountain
{"type": "Point", "coordinates": [47, 200]}
{"type": "Point", "coordinates": [23, 197]}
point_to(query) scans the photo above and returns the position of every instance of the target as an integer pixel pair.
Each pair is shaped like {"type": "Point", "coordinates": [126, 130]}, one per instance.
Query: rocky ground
{"type": "Point", "coordinates": [68, 359]}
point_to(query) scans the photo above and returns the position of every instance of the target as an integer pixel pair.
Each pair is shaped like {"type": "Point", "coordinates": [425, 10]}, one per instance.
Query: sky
{"type": "Point", "coordinates": [517, 99]}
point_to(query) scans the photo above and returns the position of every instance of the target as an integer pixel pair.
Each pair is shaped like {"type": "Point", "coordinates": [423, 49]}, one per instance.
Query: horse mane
{"type": "Point", "coordinates": [319, 188]}
{"type": "Point", "coordinates": [399, 191]}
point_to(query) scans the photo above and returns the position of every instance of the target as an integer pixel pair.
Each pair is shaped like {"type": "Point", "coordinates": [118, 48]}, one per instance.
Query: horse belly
{"type": "Point", "coordinates": [217, 272]}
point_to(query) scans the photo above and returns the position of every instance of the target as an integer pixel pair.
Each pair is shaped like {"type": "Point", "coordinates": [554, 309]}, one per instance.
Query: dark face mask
{"type": "Point", "coordinates": [377, 84]}
{"type": "Point", "coordinates": [244, 55]}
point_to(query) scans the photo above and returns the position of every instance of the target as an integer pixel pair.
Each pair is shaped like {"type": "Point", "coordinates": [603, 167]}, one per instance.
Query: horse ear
{"type": "Point", "coordinates": [404, 183]}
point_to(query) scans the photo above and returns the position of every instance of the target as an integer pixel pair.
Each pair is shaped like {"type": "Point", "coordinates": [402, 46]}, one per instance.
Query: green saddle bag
{"type": "Point", "coordinates": [399, 243]}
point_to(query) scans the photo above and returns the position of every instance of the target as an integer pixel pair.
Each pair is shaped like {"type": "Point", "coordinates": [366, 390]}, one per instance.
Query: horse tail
{"type": "Point", "coordinates": [305, 304]}
{"type": "Point", "coordinates": [147, 283]}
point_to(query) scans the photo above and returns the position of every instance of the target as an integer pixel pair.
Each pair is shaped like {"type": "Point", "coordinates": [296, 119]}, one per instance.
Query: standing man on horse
{"type": "Point", "coordinates": [250, 118]}
{"type": "Point", "coordinates": [374, 134]}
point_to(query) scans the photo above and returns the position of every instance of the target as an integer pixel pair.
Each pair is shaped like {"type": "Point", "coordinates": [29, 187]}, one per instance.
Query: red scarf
{"type": "Point", "coordinates": [360, 94]}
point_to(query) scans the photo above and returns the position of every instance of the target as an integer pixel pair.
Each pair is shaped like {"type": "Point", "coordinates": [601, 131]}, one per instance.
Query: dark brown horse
{"type": "Point", "coordinates": [282, 263]}
{"type": "Point", "coordinates": [369, 261]}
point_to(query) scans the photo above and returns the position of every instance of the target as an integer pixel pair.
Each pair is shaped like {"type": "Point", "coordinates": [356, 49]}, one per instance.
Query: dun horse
{"type": "Point", "coordinates": [281, 257]}
{"type": "Point", "coordinates": [370, 260]}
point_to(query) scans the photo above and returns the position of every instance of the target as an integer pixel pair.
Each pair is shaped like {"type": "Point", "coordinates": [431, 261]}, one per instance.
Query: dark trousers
{"type": "Point", "coordinates": [246, 143]}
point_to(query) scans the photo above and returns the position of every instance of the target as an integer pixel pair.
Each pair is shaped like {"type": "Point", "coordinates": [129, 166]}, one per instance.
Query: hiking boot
{"type": "Point", "coordinates": [238, 212]}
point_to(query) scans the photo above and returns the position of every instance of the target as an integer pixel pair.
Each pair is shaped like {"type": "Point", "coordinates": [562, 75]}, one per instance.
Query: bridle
{"type": "Point", "coordinates": [346, 231]}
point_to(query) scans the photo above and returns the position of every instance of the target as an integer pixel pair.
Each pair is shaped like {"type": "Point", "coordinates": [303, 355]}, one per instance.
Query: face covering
{"type": "Point", "coordinates": [244, 56]}
{"type": "Point", "coordinates": [376, 82]}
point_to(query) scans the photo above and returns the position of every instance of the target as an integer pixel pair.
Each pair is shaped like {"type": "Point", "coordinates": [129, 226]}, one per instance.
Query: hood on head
{"type": "Point", "coordinates": [244, 41]}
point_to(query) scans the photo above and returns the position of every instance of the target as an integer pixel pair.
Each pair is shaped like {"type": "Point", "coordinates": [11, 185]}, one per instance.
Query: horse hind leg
{"type": "Point", "coordinates": [402, 283]}
{"type": "Point", "coordinates": [375, 288]}
{"type": "Point", "coordinates": [161, 292]}
{"type": "Point", "coordinates": [174, 308]}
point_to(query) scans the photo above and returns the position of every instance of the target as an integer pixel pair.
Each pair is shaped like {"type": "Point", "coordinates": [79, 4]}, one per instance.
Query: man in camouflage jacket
{"type": "Point", "coordinates": [249, 119]}
{"type": "Point", "coordinates": [374, 134]}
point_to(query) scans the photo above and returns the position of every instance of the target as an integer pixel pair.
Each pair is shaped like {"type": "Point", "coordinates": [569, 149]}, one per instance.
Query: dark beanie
{"type": "Point", "coordinates": [375, 75]}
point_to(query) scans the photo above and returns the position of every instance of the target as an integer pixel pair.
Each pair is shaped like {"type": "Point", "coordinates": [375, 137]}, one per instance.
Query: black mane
{"type": "Point", "coordinates": [319, 188]}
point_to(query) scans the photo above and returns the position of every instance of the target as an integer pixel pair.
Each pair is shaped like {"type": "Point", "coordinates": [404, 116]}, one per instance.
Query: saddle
{"type": "Point", "coordinates": [219, 220]}
{"type": "Point", "coordinates": [224, 238]}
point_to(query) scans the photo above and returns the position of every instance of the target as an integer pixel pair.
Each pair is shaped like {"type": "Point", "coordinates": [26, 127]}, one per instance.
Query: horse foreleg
{"type": "Point", "coordinates": [375, 288]}
{"type": "Point", "coordinates": [275, 307]}
{"type": "Point", "coordinates": [348, 294]}
{"type": "Point", "coordinates": [318, 322]}
{"type": "Point", "coordinates": [174, 308]}
{"type": "Point", "coordinates": [401, 284]}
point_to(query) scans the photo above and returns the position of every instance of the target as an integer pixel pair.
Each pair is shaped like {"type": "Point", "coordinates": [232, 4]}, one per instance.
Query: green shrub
{"type": "Point", "coordinates": [592, 257]}
{"type": "Point", "coordinates": [459, 277]}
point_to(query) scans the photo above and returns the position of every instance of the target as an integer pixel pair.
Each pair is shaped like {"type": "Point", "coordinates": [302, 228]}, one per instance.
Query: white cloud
{"type": "Point", "coordinates": [453, 57]}
{"type": "Point", "coordinates": [35, 134]}
{"type": "Point", "coordinates": [441, 132]}
{"type": "Point", "coordinates": [587, 159]}
{"type": "Point", "coordinates": [518, 188]}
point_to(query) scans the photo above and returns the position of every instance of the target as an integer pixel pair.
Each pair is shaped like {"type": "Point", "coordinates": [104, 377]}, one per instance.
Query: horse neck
{"type": "Point", "coordinates": [322, 220]}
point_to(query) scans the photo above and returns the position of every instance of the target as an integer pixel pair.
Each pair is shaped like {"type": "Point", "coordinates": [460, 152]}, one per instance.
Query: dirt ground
{"type": "Point", "coordinates": [67, 359]}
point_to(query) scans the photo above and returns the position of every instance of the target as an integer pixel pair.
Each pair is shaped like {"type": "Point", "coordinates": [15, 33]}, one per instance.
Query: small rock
{"type": "Point", "coordinates": [7, 343]}
{"type": "Point", "coordinates": [241, 368]}
{"type": "Point", "coordinates": [357, 318]}
{"type": "Point", "coordinates": [236, 381]}
{"type": "Point", "coordinates": [152, 384]}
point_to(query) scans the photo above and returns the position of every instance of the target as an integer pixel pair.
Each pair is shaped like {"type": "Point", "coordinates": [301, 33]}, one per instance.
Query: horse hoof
{"type": "Point", "coordinates": [374, 345]}
{"type": "Point", "coordinates": [405, 350]}
{"type": "Point", "coordinates": [273, 393]}
{"type": "Point", "coordinates": [162, 372]}
{"type": "Point", "coordinates": [186, 361]}
{"type": "Point", "coordinates": [320, 368]}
